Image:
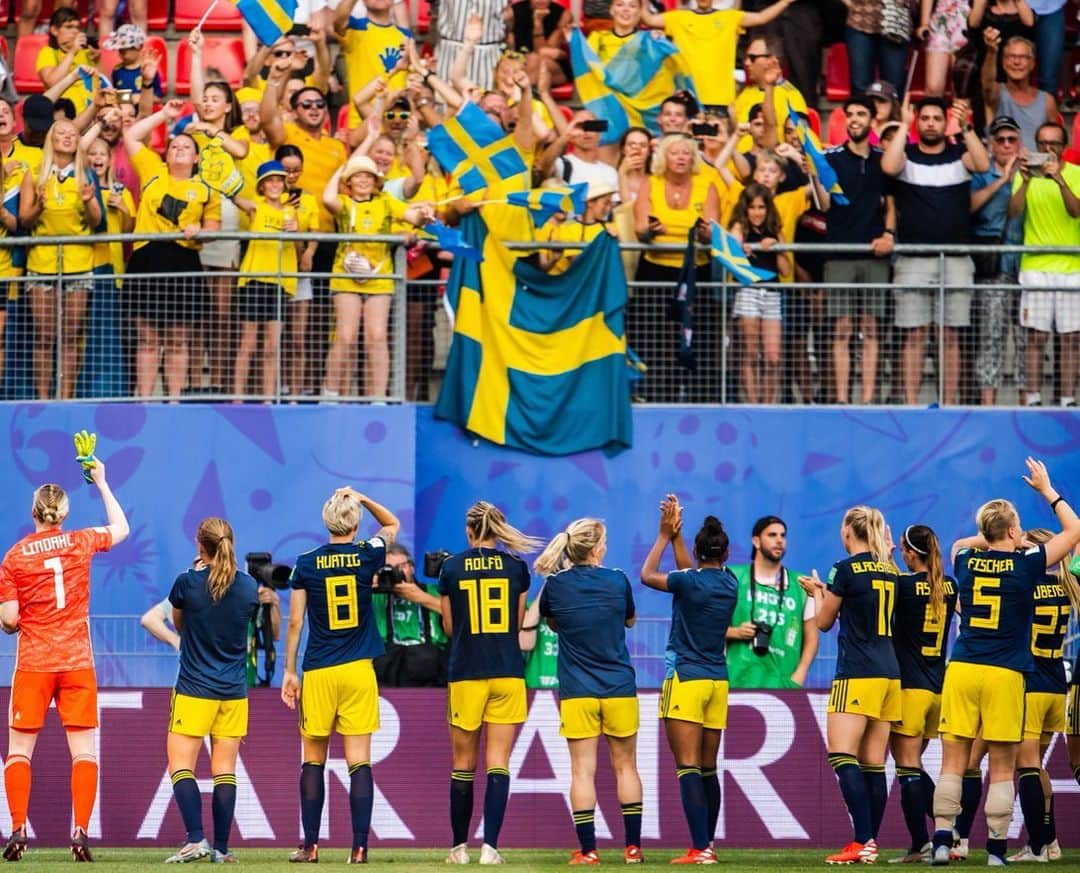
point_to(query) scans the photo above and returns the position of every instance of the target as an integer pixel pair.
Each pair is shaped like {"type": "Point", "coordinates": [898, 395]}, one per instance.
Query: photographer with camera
{"type": "Point", "coordinates": [773, 639]}
{"type": "Point", "coordinates": [416, 646]}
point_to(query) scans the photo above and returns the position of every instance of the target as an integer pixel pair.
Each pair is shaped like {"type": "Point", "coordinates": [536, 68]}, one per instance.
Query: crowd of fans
{"type": "Point", "coordinates": [976, 150]}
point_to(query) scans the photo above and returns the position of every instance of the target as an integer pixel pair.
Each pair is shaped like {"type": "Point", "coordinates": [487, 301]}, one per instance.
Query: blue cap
{"type": "Point", "coordinates": [268, 169]}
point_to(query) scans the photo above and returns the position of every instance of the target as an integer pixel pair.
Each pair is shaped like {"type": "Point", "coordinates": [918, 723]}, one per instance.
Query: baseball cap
{"type": "Point", "coordinates": [126, 36]}
{"type": "Point", "coordinates": [1003, 122]}
{"type": "Point", "coordinates": [884, 90]}
{"type": "Point", "coordinates": [860, 100]}
{"type": "Point", "coordinates": [268, 169]}
{"type": "Point", "coordinates": [37, 112]}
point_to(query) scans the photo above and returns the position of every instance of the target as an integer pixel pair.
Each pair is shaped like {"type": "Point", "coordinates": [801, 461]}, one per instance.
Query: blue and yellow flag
{"type": "Point", "coordinates": [478, 153]}
{"type": "Point", "coordinates": [538, 362]}
{"type": "Point", "coordinates": [628, 90]}
{"type": "Point", "coordinates": [820, 167]}
{"type": "Point", "coordinates": [729, 252]}
{"type": "Point", "coordinates": [268, 18]}
{"type": "Point", "coordinates": [545, 202]}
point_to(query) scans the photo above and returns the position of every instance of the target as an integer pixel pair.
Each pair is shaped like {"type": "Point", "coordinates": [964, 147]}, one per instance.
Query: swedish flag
{"type": "Point", "coordinates": [545, 202]}
{"type": "Point", "coordinates": [820, 166]}
{"type": "Point", "coordinates": [729, 252]}
{"type": "Point", "coordinates": [268, 18]}
{"type": "Point", "coordinates": [477, 152]}
{"type": "Point", "coordinates": [538, 362]}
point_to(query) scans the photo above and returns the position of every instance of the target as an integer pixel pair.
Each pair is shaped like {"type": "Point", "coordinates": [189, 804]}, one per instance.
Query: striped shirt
{"type": "Point", "coordinates": [933, 197]}
{"type": "Point", "coordinates": [452, 17]}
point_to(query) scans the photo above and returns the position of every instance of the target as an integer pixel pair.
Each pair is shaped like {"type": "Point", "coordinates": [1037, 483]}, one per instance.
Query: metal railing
{"type": "Point", "coordinates": [223, 334]}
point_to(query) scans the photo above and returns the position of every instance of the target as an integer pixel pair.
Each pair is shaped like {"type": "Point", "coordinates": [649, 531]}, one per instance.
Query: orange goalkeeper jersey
{"type": "Point", "coordinates": [48, 573]}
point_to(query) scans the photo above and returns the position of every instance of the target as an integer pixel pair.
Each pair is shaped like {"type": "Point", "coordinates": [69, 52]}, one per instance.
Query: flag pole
{"type": "Point", "coordinates": [910, 73]}
{"type": "Point", "coordinates": [206, 14]}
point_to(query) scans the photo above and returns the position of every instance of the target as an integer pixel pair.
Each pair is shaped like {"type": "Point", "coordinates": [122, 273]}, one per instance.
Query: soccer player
{"type": "Point", "coordinates": [925, 604]}
{"type": "Point", "coordinates": [212, 604]}
{"type": "Point", "coordinates": [693, 701]}
{"type": "Point", "coordinates": [865, 698]}
{"type": "Point", "coordinates": [331, 589]}
{"type": "Point", "coordinates": [483, 605]}
{"type": "Point", "coordinates": [45, 591]}
{"type": "Point", "coordinates": [1072, 717]}
{"type": "Point", "coordinates": [996, 575]}
{"type": "Point", "coordinates": [590, 606]}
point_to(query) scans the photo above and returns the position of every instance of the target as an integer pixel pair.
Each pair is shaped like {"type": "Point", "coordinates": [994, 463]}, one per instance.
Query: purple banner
{"type": "Point", "coordinates": [778, 789]}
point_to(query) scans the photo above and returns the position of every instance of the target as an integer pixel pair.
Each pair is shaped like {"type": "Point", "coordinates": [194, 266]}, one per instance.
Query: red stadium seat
{"type": "Point", "coordinates": [18, 118]}
{"type": "Point", "coordinates": [343, 118]}
{"type": "Point", "coordinates": [836, 133]}
{"type": "Point", "coordinates": [110, 60]}
{"type": "Point", "coordinates": [918, 81]}
{"type": "Point", "coordinates": [157, 14]}
{"type": "Point", "coordinates": [815, 121]}
{"type": "Point", "coordinates": [82, 6]}
{"type": "Point", "coordinates": [5, 14]}
{"type": "Point", "coordinates": [27, 81]}
{"type": "Point", "coordinates": [159, 139]}
{"type": "Point", "coordinates": [4, 52]}
{"type": "Point", "coordinates": [224, 53]}
{"type": "Point", "coordinates": [837, 77]}
{"type": "Point", "coordinates": [188, 12]}
{"type": "Point", "coordinates": [423, 16]}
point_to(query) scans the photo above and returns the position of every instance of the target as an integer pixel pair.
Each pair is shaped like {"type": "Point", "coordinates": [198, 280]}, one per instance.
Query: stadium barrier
{"type": "Point", "coordinates": [213, 339]}
{"type": "Point", "coordinates": [777, 788]}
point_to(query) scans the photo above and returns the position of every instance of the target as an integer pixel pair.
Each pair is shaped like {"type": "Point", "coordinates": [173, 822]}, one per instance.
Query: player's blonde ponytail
{"type": "Point", "coordinates": [487, 522]}
{"type": "Point", "coordinates": [571, 547]}
{"type": "Point", "coordinates": [924, 542]}
{"type": "Point", "coordinates": [868, 525]}
{"type": "Point", "coordinates": [50, 504]}
{"type": "Point", "coordinates": [216, 538]}
{"type": "Point", "coordinates": [994, 519]}
{"type": "Point", "coordinates": [1065, 576]}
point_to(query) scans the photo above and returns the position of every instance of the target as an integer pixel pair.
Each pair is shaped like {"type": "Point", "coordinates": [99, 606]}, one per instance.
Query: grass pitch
{"type": "Point", "coordinates": [431, 860]}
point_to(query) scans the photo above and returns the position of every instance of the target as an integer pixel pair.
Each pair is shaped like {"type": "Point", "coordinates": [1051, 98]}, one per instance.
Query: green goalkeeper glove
{"type": "Point", "coordinates": [85, 443]}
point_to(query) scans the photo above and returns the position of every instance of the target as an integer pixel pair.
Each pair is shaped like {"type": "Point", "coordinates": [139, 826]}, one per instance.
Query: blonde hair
{"type": "Point", "coordinates": [48, 157]}
{"type": "Point", "coordinates": [994, 519]}
{"type": "Point", "coordinates": [868, 525]}
{"type": "Point", "coordinates": [1064, 575]}
{"type": "Point", "coordinates": [924, 542]}
{"type": "Point", "coordinates": [659, 158]}
{"type": "Point", "coordinates": [50, 504]}
{"type": "Point", "coordinates": [110, 174]}
{"type": "Point", "coordinates": [216, 538]}
{"type": "Point", "coordinates": [571, 547]}
{"type": "Point", "coordinates": [341, 514]}
{"type": "Point", "coordinates": [487, 522]}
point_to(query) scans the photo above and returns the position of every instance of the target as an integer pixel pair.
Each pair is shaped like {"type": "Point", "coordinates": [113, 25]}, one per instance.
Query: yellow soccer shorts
{"type": "Point", "coordinates": [344, 697]}
{"type": "Point", "coordinates": [701, 701]}
{"type": "Point", "coordinates": [920, 710]}
{"type": "Point", "coordinates": [584, 717]}
{"type": "Point", "coordinates": [979, 696]}
{"type": "Point", "coordinates": [1044, 715]}
{"type": "Point", "coordinates": [1072, 718]}
{"type": "Point", "coordinates": [473, 702]}
{"type": "Point", "coordinates": [200, 716]}
{"type": "Point", "coordinates": [874, 697]}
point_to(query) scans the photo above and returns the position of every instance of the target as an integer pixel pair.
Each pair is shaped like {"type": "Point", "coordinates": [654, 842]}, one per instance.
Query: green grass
{"type": "Point", "coordinates": [431, 860]}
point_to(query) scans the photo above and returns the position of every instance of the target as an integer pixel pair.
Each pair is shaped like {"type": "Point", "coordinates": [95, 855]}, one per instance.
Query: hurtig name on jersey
{"type": "Point", "coordinates": [337, 562]}
{"type": "Point", "coordinates": [484, 562]}
{"type": "Point", "coordinates": [1046, 592]}
{"type": "Point", "coordinates": [36, 547]}
{"type": "Point", "coordinates": [872, 567]}
{"type": "Point", "coordinates": [990, 565]}
{"type": "Point", "coordinates": [922, 588]}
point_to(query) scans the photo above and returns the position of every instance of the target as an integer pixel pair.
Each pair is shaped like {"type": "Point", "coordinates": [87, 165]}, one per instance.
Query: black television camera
{"type": "Point", "coordinates": [433, 562]}
{"type": "Point", "coordinates": [387, 579]}
{"type": "Point", "coordinates": [762, 636]}
{"type": "Point", "coordinates": [261, 567]}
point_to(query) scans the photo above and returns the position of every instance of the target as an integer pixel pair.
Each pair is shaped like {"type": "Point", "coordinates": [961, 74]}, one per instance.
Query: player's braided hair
{"type": "Point", "coordinates": [216, 537]}
{"type": "Point", "coordinates": [50, 504]}
{"type": "Point", "coordinates": [924, 542]}
{"type": "Point", "coordinates": [487, 522]}
{"type": "Point", "coordinates": [868, 525]}
{"type": "Point", "coordinates": [711, 543]}
{"type": "Point", "coordinates": [571, 547]}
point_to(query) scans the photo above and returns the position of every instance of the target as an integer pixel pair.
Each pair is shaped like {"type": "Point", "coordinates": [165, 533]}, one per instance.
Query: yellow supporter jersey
{"type": "Point", "coordinates": [65, 214]}
{"type": "Point", "coordinates": [271, 255]}
{"type": "Point", "coordinates": [258, 153]}
{"type": "Point", "coordinates": [374, 216]}
{"type": "Point", "coordinates": [322, 157]}
{"type": "Point", "coordinates": [707, 43]}
{"type": "Point", "coordinates": [7, 268]}
{"type": "Point", "coordinates": [362, 45]}
{"type": "Point", "coordinates": [435, 187]}
{"type": "Point", "coordinates": [677, 222]}
{"type": "Point", "coordinates": [307, 214]}
{"type": "Point", "coordinates": [167, 205]}
{"type": "Point", "coordinates": [80, 92]}
{"type": "Point", "coordinates": [791, 205]}
{"type": "Point", "coordinates": [112, 254]}
{"type": "Point", "coordinates": [19, 160]}
{"type": "Point", "coordinates": [571, 231]}
{"type": "Point", "coordinates": [783, 94]}
{"type": "Point", "coordinates": [607, 43]}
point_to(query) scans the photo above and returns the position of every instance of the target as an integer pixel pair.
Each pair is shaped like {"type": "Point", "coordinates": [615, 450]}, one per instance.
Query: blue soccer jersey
{"type": "Point", "coordinates": [590, 607]}
{"type": "Point", "coordinates": [702, 604]}
{"type": "Point", "coordinates": [996, 603]}
{"type": "Point", "coordinates": [864, 647]}
{"type": "Point", "coordinates": [920, 636]}
{"type": "Point", "coordinates": [337, 578]}
{"type": "Point", "coordinates": [485, 587]}
{"type": "Point", "coordinates": [214, 636]}
{"type": "Point", "coordinates": [1050, 621]}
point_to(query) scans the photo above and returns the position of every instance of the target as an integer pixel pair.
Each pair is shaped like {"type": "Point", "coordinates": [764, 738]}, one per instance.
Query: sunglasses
{"type": "Point", "coordinates": [312, 104]}
{"type": "Point", "coordinates": [1006, 139]}
{"type": "Point", "coordinates": [753, 57]}
{"type": "Point", "coordinates": [512, 55]}
{"type": "Point", "coordinates": [282, 53]}
{"type": "Point", "coordinates": [402, 115]}
{"type": "Point", "coordinates": [1049, 143]}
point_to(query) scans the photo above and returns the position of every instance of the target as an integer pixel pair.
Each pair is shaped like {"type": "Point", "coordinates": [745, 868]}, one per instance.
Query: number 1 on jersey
{"type": "Point", "coordinates": [489, 605]}
{"type": "Point", "coordinates": [886, 591]}
{"type": "Point", "coordinates": [57, 568]}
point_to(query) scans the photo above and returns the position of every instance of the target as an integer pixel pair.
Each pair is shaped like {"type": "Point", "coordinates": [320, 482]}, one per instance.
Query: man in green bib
{"type": "Point", "coordinates": [773, 637]}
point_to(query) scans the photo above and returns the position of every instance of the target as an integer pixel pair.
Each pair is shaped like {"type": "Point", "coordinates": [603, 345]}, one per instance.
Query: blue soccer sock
{"type": "Point", "coordinates": [222, 805]}
{"type": "Point", "coordinates": [1033, 806]}
{"type": "Point", "coordinates": [585, 826]}
{"type": "Point", "coordinates": [928, 793]}
{"type": "Point", "coordinates": [461, 804]}
{"type": "Point", "coordinates": [189, 802]}
{"type": "Point", "coordinates": [912, 802]}
{"type": "Point", "coordinates": [877, 794]}
{"type": "Point", "coordinates": [970, 795]}
{"type": "Point", "coordinates": [853, 789]}
{"type": "Point", "coordinates": [695, 807]}
{"type": "Point", "coordinates": [312, 797]}
{"type": "Point", "coordinates": [361, 801]}
{"type": "Point", "coordinates": [711, 781]}
{"type": "Point", "coordinates": [495, 797]}
{"type": "Point", "coordinates": [631, 816]}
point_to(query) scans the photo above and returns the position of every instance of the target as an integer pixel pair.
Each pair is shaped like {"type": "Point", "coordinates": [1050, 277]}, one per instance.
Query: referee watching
{"type": "Point", "coordinates": [773, 637]}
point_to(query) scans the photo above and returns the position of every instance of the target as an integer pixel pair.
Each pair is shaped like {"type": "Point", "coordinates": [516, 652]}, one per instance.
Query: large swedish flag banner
{"type": "Point", "coordinates": [268, 18]}
{"type": "Point", "coordinates": [478, 152]}
{"type": "Point", "coordinates": [538, 362]}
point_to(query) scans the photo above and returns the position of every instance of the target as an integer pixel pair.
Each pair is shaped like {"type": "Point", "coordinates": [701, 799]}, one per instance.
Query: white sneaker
{"type": "Point", "coordinates": [869, 852]}
{"type": "Point", "coordinates": [941, 857]}
{"type": "Point", "coordinates": [490, 855]}
{"type": "Point", "coordinates": [190, 852]}
{"type": "Point", "coordinates": [959, 850]}
{"type": "Point", "coordinates": [996, 861]}
{"type": "Point", "coordinates": [1053, 851]}
{"type": "Point", "coordinates": [1026, 856]}
{"type": "Point", "coordinates": [459, 854]}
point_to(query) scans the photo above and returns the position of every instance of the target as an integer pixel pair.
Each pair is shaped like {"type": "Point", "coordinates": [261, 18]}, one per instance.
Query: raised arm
{"type": "Point", "coordinates": [135, 135]}
{"type": "Point", "coordinates": [524, 134]}
{"type": "Point", "coordinates": [117, 521]}
{"type": "Point", "coordinates": [1061, 544]}
{"type": "Point", "coordinates": [198, 78]}
{"type": "Point", "coordinates": [895, 157]}
{"type": "Point", "coordinates": [988, 73]}
{"type": "Point", "coordinates": [269, 108]}
{"type": "Point", "coordinates": [388, 522]}
{"type": "Point", "coordinates": [760, 19]}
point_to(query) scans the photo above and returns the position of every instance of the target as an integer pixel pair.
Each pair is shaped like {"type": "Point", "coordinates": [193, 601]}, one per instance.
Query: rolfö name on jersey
{"type": "Point", "coordinates": [484, 562]}
{"type": "Point", "coordinates": [337, 562]}
{"type": "Point", "coordinates": [48, 544]}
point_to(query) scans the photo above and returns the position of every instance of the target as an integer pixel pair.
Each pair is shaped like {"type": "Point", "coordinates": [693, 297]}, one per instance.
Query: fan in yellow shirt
{"type": "Point", "coordinates": [67, 52]}
{"type": "Point", "coordinates": [355, 198]}
{"type": "Point", "coordinates": [583, 229]}
{"type": "Point", "coordinates": [372, 46]}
